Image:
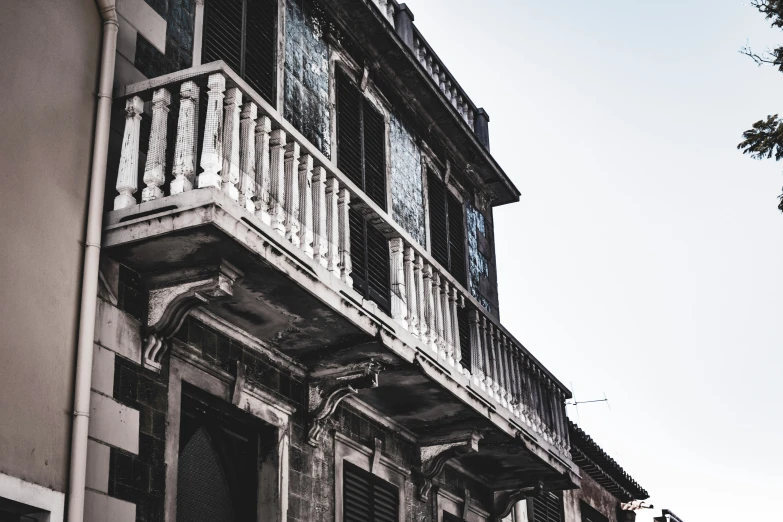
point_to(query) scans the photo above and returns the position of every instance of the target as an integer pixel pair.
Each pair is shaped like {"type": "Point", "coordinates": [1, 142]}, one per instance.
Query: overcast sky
{"type": "Point", "coordinates": [645, 259]}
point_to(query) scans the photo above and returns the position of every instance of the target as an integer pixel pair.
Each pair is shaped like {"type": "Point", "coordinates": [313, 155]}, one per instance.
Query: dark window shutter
{"type": "Point", "coordinates": [369, 260]}
{"type": "Point", "coordinates": [361, 140]}
{"type": "Point", "coordinates": [243, 33]}
{"type": "Point", "coordinates": [463, 326]}
{"type": "Point", "coordinates": [260, 44]}
{"type": "Point", "coordinates": [448, 517]}
{"type": "Point", "coordinates": [367, 498]}
{"type": "Point", "coordinates": [456, 217]}
{"type": "Point", "coordinates": [439, 239]}
{"type": "Point", "coordinates": [547, 508]}
{"type": "Point", "coordinates": [349, 131]}
{"type": "Point", "coordinates": [374, 154]}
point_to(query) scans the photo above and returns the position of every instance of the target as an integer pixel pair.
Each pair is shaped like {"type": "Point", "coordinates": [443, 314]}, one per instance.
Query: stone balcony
{"type": "Point", "coordinates": [241, 217]}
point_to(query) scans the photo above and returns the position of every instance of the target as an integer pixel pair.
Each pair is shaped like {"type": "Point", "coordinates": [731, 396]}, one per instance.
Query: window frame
{"type": "Point", "coordinates": [272, 498]}
{"type": "Point", "coordinates": [348, 450]}
{"type": "Point", "coordinates": [531, 506]}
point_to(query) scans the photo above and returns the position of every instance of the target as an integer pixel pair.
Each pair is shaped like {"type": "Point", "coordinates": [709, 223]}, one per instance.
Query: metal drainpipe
{"type": "Point", "coordinates": [92, 253]}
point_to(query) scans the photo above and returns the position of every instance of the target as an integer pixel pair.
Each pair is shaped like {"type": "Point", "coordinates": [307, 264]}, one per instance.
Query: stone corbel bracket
{"type": "Point", "coordinates": [327, 388]}
{"type": "Point", "coordinates": [504, 500]}
{"type": "Point", "coordinates": [435, 454]}
{"type": "Point", "coordinates": [173, 296]}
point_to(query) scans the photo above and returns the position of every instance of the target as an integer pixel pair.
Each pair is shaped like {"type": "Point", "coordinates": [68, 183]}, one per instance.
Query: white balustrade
{"type": "Point", "coordinates": [128, 173]}
{"type": "Point", "coordinates": [185, 148]}
{"type": "Point", "coordinates": [155, 168]}
{"type": "Point", "coordinates": [291, 203]}
{"type": "Point", "coordinates": [306, 205]}
{"type": "Point", "coordinates": [262, 198]}
{"type": "Point", "coordinates": [212, 148]}
{"type": "Point", "coordinates": [247, 158]}
{"type": "Point", "coordinates": [320, 241]}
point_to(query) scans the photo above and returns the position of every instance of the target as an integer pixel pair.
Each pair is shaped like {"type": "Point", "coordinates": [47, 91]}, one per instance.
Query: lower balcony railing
{"type": "Point", "coordinates": [236, 142]}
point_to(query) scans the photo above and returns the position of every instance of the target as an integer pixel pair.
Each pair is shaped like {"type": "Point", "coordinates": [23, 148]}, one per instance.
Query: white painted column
{"type": "Point", "coordinates": [277, 180]}
{"type": "Point", "coordinates": [429, 303]}
{"type": "Point", "coordinates": [399, 306]}
{"type": "Point", "coordinates": [418, 278]}
{"type": "Point", "coordinates": [230, 172]}
{"type": "Point", "coordinates": [263, 128]}
{"type": "Point", "coordinates": [306, 205]}
{"type": "Point", "coordinates": [155, 167]}
{"type": "Point", "coordinates": [453, 302]}
{"type": "Point", "coordinates": [320, 243]}
{"type": "Point", "coordinates": [343, 203]}
{"type": "Point", "coordinates": [247, 156]}
{"type": "Point", "coordinates": [410, 291]}
{"type": "Point", "coordinates": [292, 193]}
{"type": "Point", "coordinates": [212, 149]}
{"type": "Point", "coordinates": [476, 359]}
{"type": "Point", "coordinates": [445, 291]}
{"type": "Point", "coordinates": [332, 227]}
{"type": "Point", "coordinates": [184, 168]}
{"type": "Point", "coordinates": [127, 175]}
{"type": "Point", "coordinates": [439, 340]}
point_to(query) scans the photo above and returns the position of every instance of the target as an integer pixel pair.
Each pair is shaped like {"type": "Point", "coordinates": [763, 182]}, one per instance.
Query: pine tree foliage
{"type": "Point", "coordinates": [765, 139]}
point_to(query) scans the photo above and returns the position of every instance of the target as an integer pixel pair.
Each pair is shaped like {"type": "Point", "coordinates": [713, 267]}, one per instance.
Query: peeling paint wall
{"type": "Point", "coordinates": [406, 181]}
{"type": "Point", "coordinates": [594, 495]}
{"type": "Point", "coordinates": [478, 263]}
{"type": "Point", "coordinates": [306, 86]}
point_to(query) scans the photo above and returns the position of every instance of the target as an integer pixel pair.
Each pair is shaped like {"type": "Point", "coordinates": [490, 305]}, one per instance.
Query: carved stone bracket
{"type": "Point", "coordinates": [504, 500]}
{"type": "Point", "coordinates": [329, 387]}
{"type": "Point", "coordinates": [436, 454]}
{"type": "Point", "coordinates": [171, 300]}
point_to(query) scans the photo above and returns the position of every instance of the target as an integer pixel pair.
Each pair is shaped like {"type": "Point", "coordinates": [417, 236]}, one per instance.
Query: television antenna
{"type": "Point", "coordinates": [575, 403]}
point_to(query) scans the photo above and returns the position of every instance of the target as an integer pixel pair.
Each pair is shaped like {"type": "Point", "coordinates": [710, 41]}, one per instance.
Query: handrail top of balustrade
{"type": "Point", "coordinates": [145, 89]}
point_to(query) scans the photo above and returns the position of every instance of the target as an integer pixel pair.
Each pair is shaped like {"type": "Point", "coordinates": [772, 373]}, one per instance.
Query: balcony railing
{"type": "Point", "coordinates": [243, 147]}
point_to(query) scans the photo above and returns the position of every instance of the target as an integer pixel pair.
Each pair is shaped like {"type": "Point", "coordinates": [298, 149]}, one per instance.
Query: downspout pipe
{"type": "Point", "coordinates": [92, 254]}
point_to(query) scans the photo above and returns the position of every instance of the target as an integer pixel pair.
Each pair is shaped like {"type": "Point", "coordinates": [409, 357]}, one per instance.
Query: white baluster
{"type": "Point", "coordinates": [212, 149]}
{"type": "Point", "coordinates": [277, 180]}
{"type": "Point", "coordinates": [320, 241]}
{"type": "Point", "coordinates": [397, 282]}
{"type": "Point", "coordinates": [292, 193]}
{"type": "Point", "coordinates": [262, 198]}
{"type": "Point", "coordinates": [418, 278]}
{"type": "Point", "coordinates": [306, 205]}
{"type": "Point", "coordinates": [184, 168]}
{"type": "Point", "coordinates": [247, 156]}
{"type": "Point", "coordinates": [127, 175]}
{"type": "Point", "coordinates": [440, 339]}
{"type": "Point", "coordinates": [332, 227]}
{"type": "Point", "coordinates": [486, 341]}
{"type": "Point", "coordinates": [429, 303]}
{"type": "Point", "coordinates": [410, 291]}
{"type": "Point", "coordinates": [455, 342]}
{"type": "Point", "coordinates": [230, 172]}
{"type": "Point", "coordinates": [155, 167]}
{"type": "Point", "coordinates": [476, 349]}
{"type": "Point", "coordinates": [445, 289]}
{"type": "Point", "coordinates": [343, 202]}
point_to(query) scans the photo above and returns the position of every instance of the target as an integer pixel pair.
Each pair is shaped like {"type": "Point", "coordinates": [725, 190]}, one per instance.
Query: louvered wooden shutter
{"type": "Point", "coordinates": [448, 517]}
{"type": "Point", "coordinates": [367, 498]}
{"type": "Point", "coordinates": [374, 154]}
{"type": "Point", "coordinates": [463, 327]}
{"type": "Point", "coordinates": [439, 238]}
{"type": "Point", "coordinates": [243, 33]}
{"type": "Point", "coordinates": [349, 129]}
{"type": "Point", "coordinates": [370, 261]}
{"type": "Point", "coordinates": [456, 217]}
{"type": "Point", "coordinates": [260, 67]}
{"type": "Point", "coordinates": [547, 508]}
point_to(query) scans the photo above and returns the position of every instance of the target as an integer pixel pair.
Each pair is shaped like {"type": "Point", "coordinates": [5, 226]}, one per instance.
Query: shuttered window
{"type": "Point", "coordinates": [448, 517]}
{"type": "Point", "coordinates": [447, 228]}
{"type": "Point", "coordinates": [546, 508]}
{"type": "Point", "coordinates": [361, 155]}
{"type": "Point", "coordinates": [369, 260]}
{"type": "Point", "coordinates": [367, 498]}
{"type": "Point", "coordinates": [591, 515]}
{"type": "Point", "coordinates": [361, 140]}
{"type": "Point", "coordinates": [243, 33]}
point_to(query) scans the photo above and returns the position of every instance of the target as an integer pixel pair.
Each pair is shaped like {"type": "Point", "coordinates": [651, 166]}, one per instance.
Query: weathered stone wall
{"type": "Point", "coordinates": [478, 262]}
{"type": "Point", "coordinates": [306, 85]}
{"type": "Point", "coordinates": [592, 494]}
{"type": "Point", "coordinates": [180, 17]}
{"type": "Point", "coordinates": [139, 478]}
{"type": "Point", "coordinates": [406, 180]}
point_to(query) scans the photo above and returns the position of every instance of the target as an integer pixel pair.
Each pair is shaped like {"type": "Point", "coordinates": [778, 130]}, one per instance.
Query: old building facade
{"type": "Point", "coordinates": [297, 315]}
